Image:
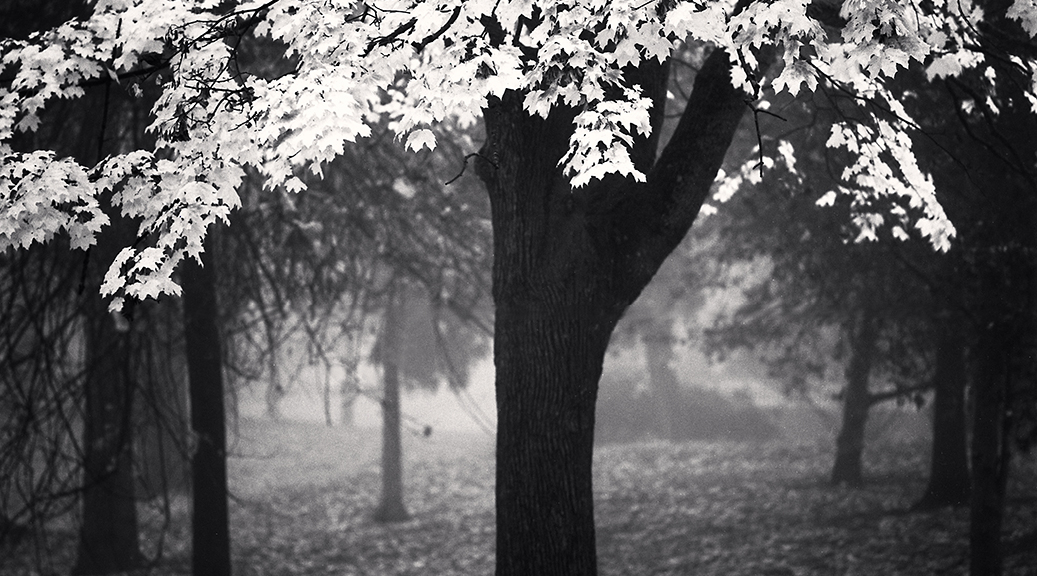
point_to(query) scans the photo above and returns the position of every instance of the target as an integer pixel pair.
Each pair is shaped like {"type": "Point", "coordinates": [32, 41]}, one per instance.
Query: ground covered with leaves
{"type": "Point", "coordinates": [303, 495]}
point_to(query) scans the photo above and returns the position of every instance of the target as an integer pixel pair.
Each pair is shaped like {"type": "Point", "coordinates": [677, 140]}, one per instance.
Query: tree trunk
{"type": "Point", "coordinates": [949, 483]}
{"type": "Point", "coordinates": [108, 539]}
{"type": "Point", "coordinates": [391, 508]}
{"type": "Point", "coordinates": [995, 346]}
{"type": "Point", "coordinates": [664, 384]}
{"type": "Point", "coordinates": [849, 445]}
{"type": "Point", "coordinates": [549, 347]}
{"type": "Point", "coordinates": [328, 421]}
{"type": "Point", "coordinates": [350, 390]}
{"type": "Point", "coordinates": [567, 263]}
{"type": "Point", "coordinates": [210, 526]}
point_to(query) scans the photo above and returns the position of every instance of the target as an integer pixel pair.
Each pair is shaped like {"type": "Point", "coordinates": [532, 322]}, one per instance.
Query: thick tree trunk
{"type": "Point", "coordinates": [567, 263]}
{"type": "Point", "coordinates": [549, 351]}
{"type": "Point", "coordinates": [108, 540]}
{"type": "Point", "coordinates": [551, 331]}
{"type": "Point", "coordinates": [210, 525]}
{"type": "Point", "coordinates": [391, 508]}
{"type": "Point", "coordinates": [663, 381]}
{"type": "Point", "coordinates": [949, 483]}
{"type": "Point", "coordinates": [849, 445]}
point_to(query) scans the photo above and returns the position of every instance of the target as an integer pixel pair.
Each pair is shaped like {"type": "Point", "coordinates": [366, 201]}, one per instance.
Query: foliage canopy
{"type": "Point", "coordinates": [417, 63]}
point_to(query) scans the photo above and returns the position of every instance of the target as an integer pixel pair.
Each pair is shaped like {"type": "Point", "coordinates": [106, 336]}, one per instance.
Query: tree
{"type": "Point", "coordinates": [108, 534]}
{"type": "Point", "coordinates": [210, 523]}
{"type": "Point", "coordinates": [978, 123]}
{"type": "Point", "coordinates": [814, 301]}
{"type": "Point", "coordinates": [108, 537]}
{"type": "Point", "coordinates": [390, 507]}
{"type": "Point", "coordinates": [949, 482]}
{"type": "Point", "coordinates": [584, 210]}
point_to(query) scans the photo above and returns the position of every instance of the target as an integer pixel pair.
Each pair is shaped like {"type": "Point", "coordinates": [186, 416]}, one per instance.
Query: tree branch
{"type": "Point", "coordinates": [879, 397]}
{"type": "Point", "coordinates": [655, 219]}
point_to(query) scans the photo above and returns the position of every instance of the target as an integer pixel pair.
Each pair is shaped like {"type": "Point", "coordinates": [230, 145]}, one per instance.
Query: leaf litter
{"type": "Point", "coordinates": [303, 496]}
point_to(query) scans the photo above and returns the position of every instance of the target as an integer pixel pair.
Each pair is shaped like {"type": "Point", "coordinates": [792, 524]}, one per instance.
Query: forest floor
{"type": "Point", "coordinates": [303, 496]}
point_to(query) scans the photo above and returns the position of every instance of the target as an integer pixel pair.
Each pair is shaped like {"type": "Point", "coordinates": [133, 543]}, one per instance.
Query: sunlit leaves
{"type": "Point", "coordinates": [40, 196]}
{"type": "Point", "coordinates": [1025, 11]}
{"type": "Point", "coordinates": [885, 167]}
{"type": "Point", "coordinates": [602, 137]}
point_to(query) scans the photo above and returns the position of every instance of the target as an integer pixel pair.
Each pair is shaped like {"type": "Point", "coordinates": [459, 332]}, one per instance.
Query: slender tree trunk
{"type": "Point", "coordinates": [665, 386]}
{"type": "Point", "coordinates": [210, 525]}
{"type": "Point", "coordinates": [849, 445]}
{"type": "Point", "coordinates": [349, 396]}
{"type": "Point", "coordinates": [328, 421]}
{"type": "Point", "coordinates": [350, 388]}
{"type": "Point", "coordinates": [391, 508]}
{"type": "Point", "coordinates": [274, 391]}
{"type": "Point", "coordinates": [949, 483]}
{"type": "Point", "coordinates": [108, 539]}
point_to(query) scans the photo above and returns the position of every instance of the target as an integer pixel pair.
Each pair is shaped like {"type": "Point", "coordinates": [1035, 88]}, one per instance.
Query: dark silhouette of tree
{"type": "Point", "coordinates": [210, 526]}
{"type": "Point", "coordinates": [978, 143]}
{"type": "Point", "coordinates": [567, 264]}
{"type": "Point", "coordinates": [108, 534]}
{"type": "Point", "coordinates": [949, 482]}
{"type": "Point", "coordinates": [108, 541]}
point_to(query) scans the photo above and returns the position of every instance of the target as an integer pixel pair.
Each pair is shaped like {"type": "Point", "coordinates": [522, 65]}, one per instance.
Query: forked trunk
{"type": "Point", "coordinates": [549, 347]}
{"type": "Point", "coordinates": [567, 263]}
{"type": "Point", "coordinates": [210, 553]}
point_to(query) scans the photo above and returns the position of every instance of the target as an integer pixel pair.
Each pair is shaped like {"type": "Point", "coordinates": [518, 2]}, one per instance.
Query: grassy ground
{"type": "Point", "coordinates": [303, 493]}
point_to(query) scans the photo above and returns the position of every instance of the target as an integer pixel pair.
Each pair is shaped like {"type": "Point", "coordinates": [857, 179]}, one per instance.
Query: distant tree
{"type": "Point", "coordinates": [659, 323]}
{"type": "Point", "coordinates": [390, 507]}
{"type": "Point", "coordinates": [818, 301]}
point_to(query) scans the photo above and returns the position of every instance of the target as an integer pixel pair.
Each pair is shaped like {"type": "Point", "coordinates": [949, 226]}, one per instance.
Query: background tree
{"type": "Point", "coordinates": [819, 302]}
{"type": "Point", "coordinates": [976, 139]}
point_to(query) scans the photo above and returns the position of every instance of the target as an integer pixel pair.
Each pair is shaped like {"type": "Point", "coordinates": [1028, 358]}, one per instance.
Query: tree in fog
{"type": "Point", "coordinates": [818, 299]}
{"type": "Point", "coordinates": [586, 205]}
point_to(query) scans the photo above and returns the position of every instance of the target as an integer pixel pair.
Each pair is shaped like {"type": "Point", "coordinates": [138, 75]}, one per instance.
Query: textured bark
{"type": "Point", "coordinates": [849, 445]}
{"type": "Point", "coordinates": [391, 508]}
{"type": "Point", "coordinates": [210, 553]}
{"type": "Point", "coordinates": [108, 540]}
{"type": "Point", "coordinates": [949, 483]}
{"type": "Point", "coordinates": [567, 263]}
